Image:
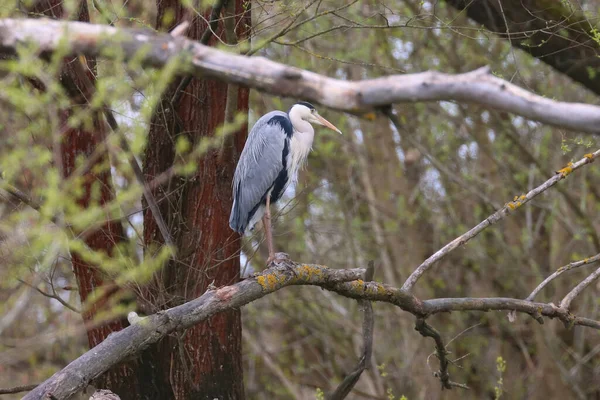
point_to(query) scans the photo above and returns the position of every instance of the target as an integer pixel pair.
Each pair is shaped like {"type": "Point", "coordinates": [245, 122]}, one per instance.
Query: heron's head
{"type": "Point", "coordinates": [307, 112]}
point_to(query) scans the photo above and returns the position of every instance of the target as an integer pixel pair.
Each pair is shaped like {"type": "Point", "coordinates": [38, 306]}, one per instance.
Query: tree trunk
{"type": "Point", "coordinates": [205, 361]}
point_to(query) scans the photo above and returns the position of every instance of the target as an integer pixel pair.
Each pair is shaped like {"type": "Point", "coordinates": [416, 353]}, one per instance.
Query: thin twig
{"type": "Point", "coordinates": [427, 330]}
{"type": "Point", "coordinates": [560, 271]}
{"type": "Point", "coordinates": [53, 295]}
{"type": "Point", "coordinates": [18, 195]}
{"type": "Point", "coordinates": [139, 176]}
{"type": "Point", "coordinates": [492, 219]}
{"type": "Point", "coordinates": [18, 389]}
{"type": "Point", "coordinates": [213, 22]}
{"type": "Point", "coordinates": [566, 301]}
{"type": "Point", "coordinates": [272, 365]}
{"type": "Point", "coordinates": [344, 388]}
{"type": "Point", "coordinates": [290, 26]}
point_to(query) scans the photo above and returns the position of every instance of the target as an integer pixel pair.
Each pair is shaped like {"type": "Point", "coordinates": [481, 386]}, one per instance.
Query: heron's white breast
{"type": "Point", "coordinates": [300, 146]}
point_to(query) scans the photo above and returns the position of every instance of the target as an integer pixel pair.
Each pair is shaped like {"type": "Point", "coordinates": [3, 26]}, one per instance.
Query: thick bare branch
{"type": "Point", "coordinates": [535, 310]}
{"type": "Point", "coordinates": [138, 336]}
{"type": "Point", "coordinates": [17, 389]}
{"type": "Point", "coordinates": [350, 96]}
{"type": "Point", "coordinates": [146, 331]}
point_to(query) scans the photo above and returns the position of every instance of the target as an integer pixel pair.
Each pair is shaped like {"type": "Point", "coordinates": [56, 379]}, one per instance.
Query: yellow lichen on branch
{"type": "Point", "coordinates": [271, 282]}
{"type": "Point", "coordinates": [308, 272]}
{"type": "Point", "coordinates": [564, 172]}
{"type": "Point", "coordinates": [358, 285]}
{"type": "Point", "coordinates": [304, 273]}
{"type": "Point", "coordinates": [517, 202]}
{"type": "Point", "coordinates": [376, 288]}
{"type": "Point", "coordinates": [513, 205]}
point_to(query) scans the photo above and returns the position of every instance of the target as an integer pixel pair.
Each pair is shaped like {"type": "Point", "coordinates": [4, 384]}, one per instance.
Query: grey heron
{"type": "Point", "coordinates": [277, 147]}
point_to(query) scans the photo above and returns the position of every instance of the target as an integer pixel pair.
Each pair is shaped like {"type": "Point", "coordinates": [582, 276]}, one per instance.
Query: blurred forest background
{"type": "Point", "coordinates": [370, 194]}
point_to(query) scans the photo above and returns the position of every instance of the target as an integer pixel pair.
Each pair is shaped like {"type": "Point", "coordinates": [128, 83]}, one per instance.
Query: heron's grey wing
{"type": "Point", "coordinates": [258, 167]}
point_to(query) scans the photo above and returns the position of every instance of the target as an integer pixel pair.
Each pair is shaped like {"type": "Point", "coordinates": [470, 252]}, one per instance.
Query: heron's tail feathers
{"type": "Point", "coordinates": [236, 222]}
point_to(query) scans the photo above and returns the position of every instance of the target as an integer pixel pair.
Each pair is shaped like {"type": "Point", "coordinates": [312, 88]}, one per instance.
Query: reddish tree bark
{"type": "Point", "coordinates": [205, 361]}
{"type": "Point", "coordinates": [80, 142]}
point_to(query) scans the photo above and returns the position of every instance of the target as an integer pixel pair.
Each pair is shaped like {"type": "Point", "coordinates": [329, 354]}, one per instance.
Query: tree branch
{"type": "Point", "coordinates": [356, 97]}
{"type": "Point", "coordinates": [18, 389]}
{"type": "Point", "coordinates": [560, 271]}
{"type": "Point", "coordinates": [347, 282]}
{"type": "Point", "coordinates": [492, 219]}
{"type": "Point", "coordinates": [427, 330]}
{"type": "Point", "coordinates": [114, 126]}
{"type": "Point", "coordinates": [344, 388]}
{"type": "Point", "coordinates": [566, 301]}
{"type": "Point", "coordinates": [18, 195]}
{"type": "Point", "coordinates": [535, 310]}
{"type": "Point", "coordinates": [52, 295]}
{"type": "Point", "coordinates": [131, 340]}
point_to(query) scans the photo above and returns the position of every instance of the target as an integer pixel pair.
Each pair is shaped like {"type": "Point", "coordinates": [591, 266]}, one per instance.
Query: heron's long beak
{"type": "Point", "coordinates": [328, 124]}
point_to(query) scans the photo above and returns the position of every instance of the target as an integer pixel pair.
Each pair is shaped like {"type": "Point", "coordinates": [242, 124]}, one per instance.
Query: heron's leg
{"type": "Point", "coordinates": [268, 234]}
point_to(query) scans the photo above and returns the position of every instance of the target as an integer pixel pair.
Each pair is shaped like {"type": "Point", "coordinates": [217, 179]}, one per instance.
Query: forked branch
{"type": "Point", "coordinates": [492, 219]}
{"type": "Point", "coordinates": [346, 282]}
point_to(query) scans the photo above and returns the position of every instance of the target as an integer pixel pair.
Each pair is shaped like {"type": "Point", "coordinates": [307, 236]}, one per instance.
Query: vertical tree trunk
{"type": "Point", "coordinates": [78, 142]}
{"type": "Point", "coordinates": [205, 361]}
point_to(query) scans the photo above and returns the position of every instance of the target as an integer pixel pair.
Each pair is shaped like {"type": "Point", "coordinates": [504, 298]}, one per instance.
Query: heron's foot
{"type": "Point", "coordinates": [278, 258]}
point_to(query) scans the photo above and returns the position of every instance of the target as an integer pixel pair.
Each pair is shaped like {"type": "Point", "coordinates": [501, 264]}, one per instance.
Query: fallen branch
{"type": "Point", "coordinates": [346, 282]}
{"type": "Point", "coordinates": [156, 49]}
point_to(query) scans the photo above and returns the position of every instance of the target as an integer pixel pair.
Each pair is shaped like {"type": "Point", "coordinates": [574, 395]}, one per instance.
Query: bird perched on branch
{"type": "Point", "coordinates": [276, 148]}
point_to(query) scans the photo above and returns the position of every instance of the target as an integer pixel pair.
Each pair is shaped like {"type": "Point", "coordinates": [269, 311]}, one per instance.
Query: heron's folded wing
{"type": "Point", "coordinates": [258, 167]}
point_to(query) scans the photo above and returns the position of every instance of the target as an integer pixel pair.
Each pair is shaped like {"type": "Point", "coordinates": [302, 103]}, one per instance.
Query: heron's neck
{"type": "Point", "coordinates": [300, 145]}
